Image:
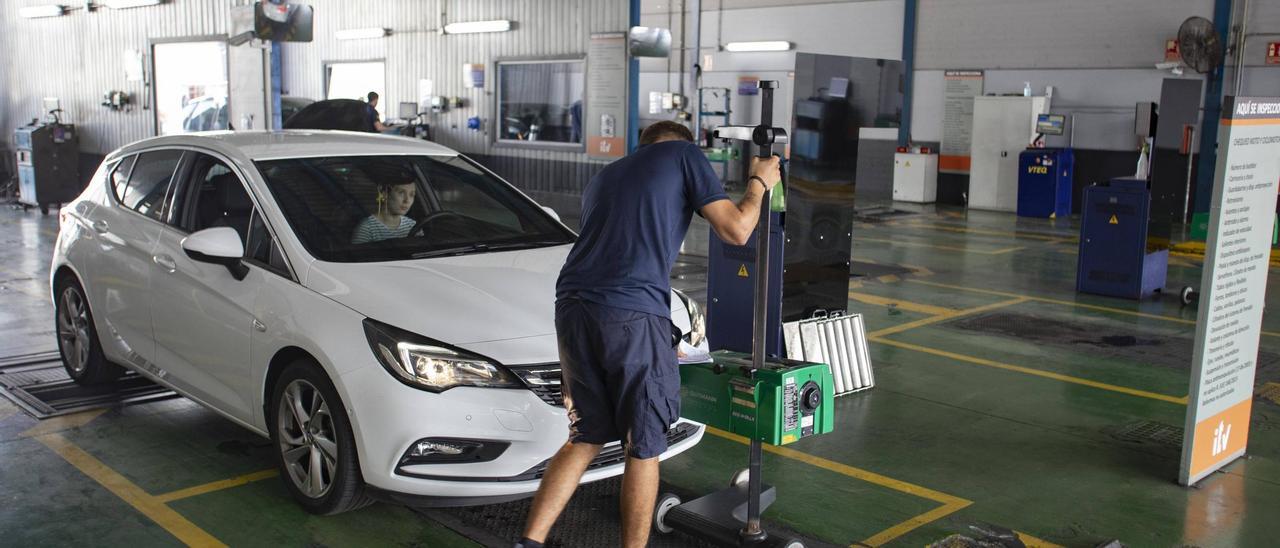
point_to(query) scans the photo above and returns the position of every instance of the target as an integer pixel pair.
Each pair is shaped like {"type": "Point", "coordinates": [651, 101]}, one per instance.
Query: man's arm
{"type": "Point", "coordinates": [734, 223]}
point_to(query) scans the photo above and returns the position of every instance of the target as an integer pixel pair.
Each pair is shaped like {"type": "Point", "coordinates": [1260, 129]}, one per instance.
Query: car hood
{"type": "Point", "coordinates": [472, 301]}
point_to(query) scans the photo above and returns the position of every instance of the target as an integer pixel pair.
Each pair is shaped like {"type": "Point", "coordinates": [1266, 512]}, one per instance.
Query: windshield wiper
{"type": "Point", "coordinates": [484, 248]}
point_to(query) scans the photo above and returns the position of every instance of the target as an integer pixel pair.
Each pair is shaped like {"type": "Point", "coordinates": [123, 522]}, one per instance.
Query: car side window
{"type": "Point", "coordinates": [262, 249]}
{"type": "Point", "coordinates": [213, 196]}
{"type": "Point", "coordinates": [149, 182]}
{"type": "Point", "coordinates": [120, 176]}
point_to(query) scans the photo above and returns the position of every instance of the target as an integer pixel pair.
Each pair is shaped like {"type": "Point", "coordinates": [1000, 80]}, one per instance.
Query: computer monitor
{"type": "Point", "coordinates": [1050, 124]}
{"type": "Point", "coordinates": [408, 111]}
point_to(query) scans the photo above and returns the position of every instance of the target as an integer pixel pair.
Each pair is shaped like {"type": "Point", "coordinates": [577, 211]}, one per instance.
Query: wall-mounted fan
{"type": "Point", "coordinates": [1200, 44]}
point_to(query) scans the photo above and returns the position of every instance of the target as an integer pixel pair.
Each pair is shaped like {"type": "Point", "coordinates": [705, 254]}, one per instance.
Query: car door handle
{"type": "Point", "coordinates": [166, 262]}
{"type": "Point", "coordinates": [101, 227]}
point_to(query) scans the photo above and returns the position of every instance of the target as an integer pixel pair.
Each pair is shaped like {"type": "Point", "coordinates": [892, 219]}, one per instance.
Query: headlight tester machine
{"type": "Point", "coordinates": [754, 391]}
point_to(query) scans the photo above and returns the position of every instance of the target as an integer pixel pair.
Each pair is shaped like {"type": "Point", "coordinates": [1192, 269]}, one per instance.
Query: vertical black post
{"type": "Point", "coordinates": [760, 315]}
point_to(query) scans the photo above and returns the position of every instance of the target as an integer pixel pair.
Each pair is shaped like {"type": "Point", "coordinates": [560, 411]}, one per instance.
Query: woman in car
{"type": "Point", "coordinates": [389, 221]}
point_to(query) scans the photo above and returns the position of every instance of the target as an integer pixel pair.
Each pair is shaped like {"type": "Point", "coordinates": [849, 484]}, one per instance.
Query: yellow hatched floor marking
{"type": "Point", "coordinates": [950, 315]}
{"type": "Point", "coordinates": [217, 485]}
{"type": "Point", "coordinates": [942, 247]}
{"type": "Point", "coordinates": [901, 304]}
{"type": "Point", "coordinates": [48, 432]}
{"type": "Point", "coordinates": [950, 503]}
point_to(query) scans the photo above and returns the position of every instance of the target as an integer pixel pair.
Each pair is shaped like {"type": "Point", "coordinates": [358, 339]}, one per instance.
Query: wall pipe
{"type": "Point", "coordinates": [633, 87]}
{"type": "Point", "coordinates": [908, 68]}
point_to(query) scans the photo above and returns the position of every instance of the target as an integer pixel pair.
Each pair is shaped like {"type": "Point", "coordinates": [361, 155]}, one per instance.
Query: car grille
{"type": "Point", "coordinates": [543, 380]}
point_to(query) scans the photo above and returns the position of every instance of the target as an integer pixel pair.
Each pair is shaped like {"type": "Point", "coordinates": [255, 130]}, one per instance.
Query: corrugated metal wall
{"type": "Point", "coordinates": [79, 56]}
{"type": "Point", "coordinates": [416, 50]}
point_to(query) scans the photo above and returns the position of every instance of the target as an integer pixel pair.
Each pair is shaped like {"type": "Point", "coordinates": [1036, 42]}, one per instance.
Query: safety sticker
{"type": "Point", "coordinates": [1114, 220]}
{"type": "Point", "coordinates": [742, 271]}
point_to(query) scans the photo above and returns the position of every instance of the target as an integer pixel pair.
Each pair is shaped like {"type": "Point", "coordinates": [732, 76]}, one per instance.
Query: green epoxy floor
{"type": "Point", "coordinates": [963, 427]}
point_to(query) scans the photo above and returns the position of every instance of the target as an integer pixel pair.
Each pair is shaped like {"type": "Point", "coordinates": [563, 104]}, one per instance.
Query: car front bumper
{"type": "Point", "coordinates": [388, 417]}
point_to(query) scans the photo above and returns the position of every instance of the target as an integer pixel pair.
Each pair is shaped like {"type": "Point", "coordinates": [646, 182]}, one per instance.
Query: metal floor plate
{"type": "Point", "coordinates": [39, 385]}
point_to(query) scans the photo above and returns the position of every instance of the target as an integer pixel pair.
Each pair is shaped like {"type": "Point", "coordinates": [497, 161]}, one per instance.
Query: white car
{"type": "Point", "coordinates": [420, 368]}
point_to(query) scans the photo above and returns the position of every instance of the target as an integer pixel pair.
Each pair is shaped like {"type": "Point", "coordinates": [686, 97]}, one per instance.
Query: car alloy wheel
{"type": "Point", "coordinates": [307, 438]}
{"type": "Point", "coordinates": [73, 330]}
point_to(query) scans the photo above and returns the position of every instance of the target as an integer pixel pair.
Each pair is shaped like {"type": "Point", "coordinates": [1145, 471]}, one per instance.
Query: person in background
{"type": "Point", "coordinates": [378, 126]}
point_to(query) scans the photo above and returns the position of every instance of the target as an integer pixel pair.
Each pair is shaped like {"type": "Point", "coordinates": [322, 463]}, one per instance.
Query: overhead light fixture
{"type": "Point", "coordinates": [33, 12]}
{"type": "Point", "coordinates": [126, 4]}
{"type": "Point", "coordinates": [360, 34]}
{"type": "Point", "coordinates": [500, 25]}
{"type": "Point", "coordinates": [775, 45]}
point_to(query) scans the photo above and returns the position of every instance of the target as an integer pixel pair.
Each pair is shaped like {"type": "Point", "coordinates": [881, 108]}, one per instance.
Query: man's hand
{"type": "Point", "coordinates": [767, 169]}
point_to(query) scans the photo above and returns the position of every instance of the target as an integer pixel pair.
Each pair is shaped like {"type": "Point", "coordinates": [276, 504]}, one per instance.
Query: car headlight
{"type": "Point", "coordinates": [424, 363]}
{"type": "Point", "coordinates": [697, 319]}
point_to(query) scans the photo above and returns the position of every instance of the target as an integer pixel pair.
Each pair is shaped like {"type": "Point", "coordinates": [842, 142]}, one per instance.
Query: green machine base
{"type": "Point", "coordinates": [781, 403]}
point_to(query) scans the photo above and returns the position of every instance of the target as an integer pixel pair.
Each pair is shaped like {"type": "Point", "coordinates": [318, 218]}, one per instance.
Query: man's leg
{"type": "Point", "coordinates": [557, 487]}
{"type": "Point", "coordinates": [639, 492]}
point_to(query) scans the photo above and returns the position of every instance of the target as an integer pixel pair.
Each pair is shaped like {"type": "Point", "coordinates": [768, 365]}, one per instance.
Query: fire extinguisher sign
{"type": "Point", "coordinates": [1273, 53]}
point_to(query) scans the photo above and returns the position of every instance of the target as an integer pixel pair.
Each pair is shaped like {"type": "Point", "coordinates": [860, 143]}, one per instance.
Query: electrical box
{"type": "Point", "coordinates": [1114, 256]}
{"type": "Point", "coordinates": [915, 177]}
{"type": "Point", "coordinates": [784, 402]}
{"type": "Point", "coordinates": [48, 164]}
{"type": "Point", "coordinates": [1002, 129]}
{"type": "Point", "coordinates": [1044, 182]}
{"type": "Point", "coordinates": [731, 278]}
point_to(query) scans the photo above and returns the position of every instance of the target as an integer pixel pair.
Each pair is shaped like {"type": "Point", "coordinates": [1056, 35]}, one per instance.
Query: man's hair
{"type": "Point", "coordinates": [665, 128]}
{"type": "Point", "coordinates": [372, 95]}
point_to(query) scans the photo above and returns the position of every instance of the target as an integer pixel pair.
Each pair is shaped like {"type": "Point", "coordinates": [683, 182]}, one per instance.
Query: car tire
{"type": "Point", "coordinates": [78, 343]}
{"type": "Point", "coordinates": [317, 432]}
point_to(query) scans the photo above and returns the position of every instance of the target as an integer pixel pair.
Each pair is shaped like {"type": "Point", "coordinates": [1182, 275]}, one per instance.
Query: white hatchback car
{"type": "Point", "coordinates": [380, 307]}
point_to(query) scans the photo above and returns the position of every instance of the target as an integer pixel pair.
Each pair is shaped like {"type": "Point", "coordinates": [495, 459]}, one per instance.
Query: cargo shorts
{"type": "Point", "coordinates": [621, 381]}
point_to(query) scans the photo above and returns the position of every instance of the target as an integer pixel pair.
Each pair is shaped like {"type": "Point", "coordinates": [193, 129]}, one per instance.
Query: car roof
{"type": "Point", "coordinates": [295, 143]}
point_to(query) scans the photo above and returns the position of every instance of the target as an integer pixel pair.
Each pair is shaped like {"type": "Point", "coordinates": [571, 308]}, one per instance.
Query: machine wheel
{"type": "Point", "coordinates": [78, 342]}
{"type": "Point", "coordinates": [792, 543]}
{"type": "Point", "coordinates": [315, 449]}
{"type": "Point", "coordinates": [666, 502]}
{"type": "Point", "coordinates": [741, 477]}
{"type": "Point", "coordinates": [44, 209]}
{"type": "Point", "coordinates": [1188, 295]}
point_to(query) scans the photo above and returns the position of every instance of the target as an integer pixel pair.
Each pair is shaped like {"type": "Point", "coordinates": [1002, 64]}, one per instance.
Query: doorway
{"type": "Point", "coordinates": [355, 79]}
{"type": "Point", "coordinates": [191, 88]}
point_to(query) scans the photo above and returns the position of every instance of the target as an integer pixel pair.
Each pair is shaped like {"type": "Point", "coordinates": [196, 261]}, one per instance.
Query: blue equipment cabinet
{"type": "Point", "coordinates": [1114, 259]}
{"type": "Point", "coordinates": [1044, 182]}
{"type": "Point", "coordinates": [731, 274]}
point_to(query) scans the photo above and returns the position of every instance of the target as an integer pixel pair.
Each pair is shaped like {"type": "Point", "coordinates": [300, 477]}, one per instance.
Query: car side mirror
{"type": "Point", "coordinates": [218, 245]}
{"type": "Point", "coordinates": [551, 212]}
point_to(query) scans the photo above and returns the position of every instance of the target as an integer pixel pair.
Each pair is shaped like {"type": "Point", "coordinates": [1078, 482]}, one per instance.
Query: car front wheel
{"type": "Point", "coordinates": [315, 448]}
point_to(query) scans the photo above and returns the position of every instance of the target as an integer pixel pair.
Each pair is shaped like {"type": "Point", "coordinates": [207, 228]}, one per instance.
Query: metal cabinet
{"type": "Point", "coordinates": [48, 164]}
{"type": "Point", "coordinates": [1002, 129]}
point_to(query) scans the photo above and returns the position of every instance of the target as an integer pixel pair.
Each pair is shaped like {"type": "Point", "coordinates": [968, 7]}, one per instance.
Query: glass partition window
{"type": "Point", "coordinates": [354, 80]}
{"type": "Point", "coordinates": [190, 86]}
{"type": "Point", "coordinates": [540, 102]}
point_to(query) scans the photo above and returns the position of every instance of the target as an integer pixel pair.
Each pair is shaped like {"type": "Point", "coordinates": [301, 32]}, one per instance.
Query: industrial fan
{"type": "Point", "coordinates": [1200, 44]}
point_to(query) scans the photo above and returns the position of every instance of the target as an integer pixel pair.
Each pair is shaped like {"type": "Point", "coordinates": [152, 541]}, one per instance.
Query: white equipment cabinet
{"type": "Point", "coordinates": [1002, 128]}
{"type": "Point", "coordinates": [915, 177]}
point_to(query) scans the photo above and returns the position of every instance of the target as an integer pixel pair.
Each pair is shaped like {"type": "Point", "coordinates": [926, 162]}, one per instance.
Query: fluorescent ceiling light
{"type": "Point", "coordinates": [126, 4]}
{"type": "Point", "coordinates": [360, 34]}
{"type": "Point", "coordinates": [52, 10]}
{"type": "Point", "coordinates": [501, 25]}
{"type": "Point", "coordinates": [776, 45]}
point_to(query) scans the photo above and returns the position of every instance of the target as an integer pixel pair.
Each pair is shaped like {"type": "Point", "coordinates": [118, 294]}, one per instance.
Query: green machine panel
{"type": "Point", "coordinates": [785, 401]}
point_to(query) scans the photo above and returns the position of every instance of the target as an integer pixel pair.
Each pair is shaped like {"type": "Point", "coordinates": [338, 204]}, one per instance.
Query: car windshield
{"type": "Point", "coordinates": [389, 208]}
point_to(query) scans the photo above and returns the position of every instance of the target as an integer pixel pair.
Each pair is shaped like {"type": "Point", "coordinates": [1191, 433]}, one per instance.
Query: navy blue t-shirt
{"type": "Point", "coordinates": [635, 213]}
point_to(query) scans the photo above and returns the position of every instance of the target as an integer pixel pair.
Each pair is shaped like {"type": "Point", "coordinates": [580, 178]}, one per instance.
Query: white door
{"type": "Point", "coordinates": [119, 279]}
{"type": "Point", "coordinates": [988, 141]}
{"type": "Point", "coordinates": [201, 313]}
{"type": "Point", "coordinates": [250, 83]}
{"type": "Point", "coordinates": [1016, 119]}
{"type": "Point", "coordinates": [191, 86]}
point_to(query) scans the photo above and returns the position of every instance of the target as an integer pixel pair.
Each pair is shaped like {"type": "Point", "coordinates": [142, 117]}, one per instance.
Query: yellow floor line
{"type": "Point", "coordinates": [1033, 542]}
{"type": "Point", "coordinates": [942, 247]}
{"type": "Point", "coordinates": [944, 317]}
{"type": "Point", "coordinates": [217, 486]}
{"type": "Point", "coordinates": [983, 232]}
{"type": "Point", "coordinates": [919, 270]}
{"type": "Point", "coordinates": [173, 522]}
{"type": "Point", "coordinates": [65, 422]}
{"type": "Point", "coordinates": [1031, 371]}
{"type": "Point", "coordinates": [903, 305]}
{"type": "Point", "coordinates": [950, 503]}
{"type": "Point", "coordinates": [889, 278]}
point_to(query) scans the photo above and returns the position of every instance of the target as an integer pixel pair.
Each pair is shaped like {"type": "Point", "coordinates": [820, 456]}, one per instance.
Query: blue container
{"type": "Point", "coordinates": [731, 279]}
{"type": "Point", "coordinates": [1114, 259]}
{"type": "Point", "coordinates": [1044, 182]}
